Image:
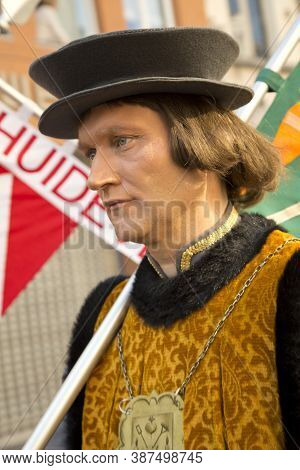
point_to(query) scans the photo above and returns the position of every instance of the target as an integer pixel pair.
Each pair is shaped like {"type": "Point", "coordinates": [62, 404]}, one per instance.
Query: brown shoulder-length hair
{"type": "Point", "coordinates": [205, 136]}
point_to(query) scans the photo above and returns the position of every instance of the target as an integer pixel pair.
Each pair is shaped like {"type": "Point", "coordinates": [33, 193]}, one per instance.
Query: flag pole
{"type": "Point", "coordinates": [275, 64]}
{"type": "Point", "coordinates": [81, 371]}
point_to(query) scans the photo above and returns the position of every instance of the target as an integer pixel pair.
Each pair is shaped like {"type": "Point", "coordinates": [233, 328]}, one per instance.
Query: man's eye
{"type": "Point", "coordinates": [121, 141]}
{"type": "Point", "coordinates": [91, 153]}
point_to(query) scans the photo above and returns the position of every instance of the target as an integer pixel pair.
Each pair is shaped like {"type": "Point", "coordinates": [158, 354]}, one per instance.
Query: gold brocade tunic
{"type": "Point", "coordinates": [232, 400]}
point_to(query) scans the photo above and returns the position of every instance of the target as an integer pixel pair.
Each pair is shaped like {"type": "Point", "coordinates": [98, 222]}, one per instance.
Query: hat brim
{"type": "Point", "coordinates": [62, 118]}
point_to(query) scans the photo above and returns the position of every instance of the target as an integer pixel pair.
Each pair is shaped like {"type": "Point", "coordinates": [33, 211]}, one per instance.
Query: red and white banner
{"type": "Point", "coordinates": [43, 197]}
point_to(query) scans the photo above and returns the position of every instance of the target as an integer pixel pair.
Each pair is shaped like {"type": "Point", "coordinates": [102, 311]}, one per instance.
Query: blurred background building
{"type": "Point", "coordinates": [36, 328]}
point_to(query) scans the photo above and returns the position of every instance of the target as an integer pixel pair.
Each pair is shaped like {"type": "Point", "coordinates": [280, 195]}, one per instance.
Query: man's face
{"type": "Point", "coordinates": [129, 149]}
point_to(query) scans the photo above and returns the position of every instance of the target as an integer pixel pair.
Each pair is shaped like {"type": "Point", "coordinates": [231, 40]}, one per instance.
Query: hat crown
{"type": "Point", "coordinates": [123, 55]}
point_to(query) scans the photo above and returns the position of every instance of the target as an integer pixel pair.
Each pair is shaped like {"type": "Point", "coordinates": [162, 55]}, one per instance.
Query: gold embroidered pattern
{"type": "Point", "coordinates": [159, 273]}
{"type": "Point", "coordinates": [203, 244]}
{"type": "Point", "coordinates": [208, 241]}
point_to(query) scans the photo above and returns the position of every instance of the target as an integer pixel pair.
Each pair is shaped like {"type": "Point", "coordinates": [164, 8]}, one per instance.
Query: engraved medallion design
{"type": "Point", "coordinates": [152, 422]}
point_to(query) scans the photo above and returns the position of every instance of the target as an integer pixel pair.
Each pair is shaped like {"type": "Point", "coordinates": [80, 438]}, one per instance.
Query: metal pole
{"type": "Point", "coordinates": [81, 371]}
{"type": "Point", "coordinates": [275, 63]}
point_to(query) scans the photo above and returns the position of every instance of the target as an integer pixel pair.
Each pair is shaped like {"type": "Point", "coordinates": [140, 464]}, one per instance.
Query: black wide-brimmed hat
{"type": "Point", "coordinates": [99, 68]}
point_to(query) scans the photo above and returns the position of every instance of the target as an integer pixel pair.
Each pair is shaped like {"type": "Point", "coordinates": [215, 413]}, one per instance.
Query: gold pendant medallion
{"type": "Point", "coordinates": [152, 422]}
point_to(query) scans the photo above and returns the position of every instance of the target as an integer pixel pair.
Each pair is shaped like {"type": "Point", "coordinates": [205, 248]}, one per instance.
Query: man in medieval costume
{"type": "Point", "coordinates": [208, 356]}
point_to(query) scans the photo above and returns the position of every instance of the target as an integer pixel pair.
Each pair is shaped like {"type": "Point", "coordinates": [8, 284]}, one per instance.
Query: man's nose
{"type": "Point", "coordinates": [102, 173]}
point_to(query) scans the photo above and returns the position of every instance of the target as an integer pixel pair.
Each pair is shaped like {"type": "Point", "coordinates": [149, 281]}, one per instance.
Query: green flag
{"type": "Point", "coordinates": [281, 124]}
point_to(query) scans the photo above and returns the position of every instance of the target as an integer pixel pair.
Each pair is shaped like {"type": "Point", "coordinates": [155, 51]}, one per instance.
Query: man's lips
{"type": "Point", "coordinates": [118, 204]}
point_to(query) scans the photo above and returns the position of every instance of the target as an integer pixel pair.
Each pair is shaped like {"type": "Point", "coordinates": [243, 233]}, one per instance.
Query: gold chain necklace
{"type": "Point", "coordinates": [156, 421]}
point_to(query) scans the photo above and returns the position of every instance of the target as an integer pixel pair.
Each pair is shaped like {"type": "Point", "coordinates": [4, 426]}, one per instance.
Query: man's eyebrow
{"type": "Point", "coordinates": [113, 129]}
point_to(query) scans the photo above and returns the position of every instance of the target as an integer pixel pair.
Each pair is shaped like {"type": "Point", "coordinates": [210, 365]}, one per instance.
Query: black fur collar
{"type": "Point", "coordinates": [161, 301]}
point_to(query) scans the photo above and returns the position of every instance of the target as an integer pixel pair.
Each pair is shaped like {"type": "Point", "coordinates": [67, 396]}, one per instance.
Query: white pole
{"type": "Point", "coordinates": [81, 371]}
{"type": "Point", "coordinates": [275, 63]}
